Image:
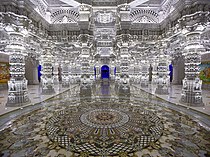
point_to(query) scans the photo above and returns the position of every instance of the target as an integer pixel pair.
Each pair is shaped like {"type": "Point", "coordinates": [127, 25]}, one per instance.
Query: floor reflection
{"type": "Point", "coordinates": [105, 119]}
{"type": "Point", "coordinates": [105, 88]}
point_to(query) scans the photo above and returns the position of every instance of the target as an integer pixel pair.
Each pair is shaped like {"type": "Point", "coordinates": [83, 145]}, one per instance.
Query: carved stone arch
{"type": "Point", "coordinates": [144, 16]}
{"type": "Point", "coordinates": [144, 19]}
{"type": "Point", "coordinates": [70, 16]}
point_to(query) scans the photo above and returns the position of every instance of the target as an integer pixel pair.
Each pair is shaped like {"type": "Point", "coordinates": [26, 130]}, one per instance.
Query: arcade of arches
{"type": "Point", "coordinates": [122, 78]}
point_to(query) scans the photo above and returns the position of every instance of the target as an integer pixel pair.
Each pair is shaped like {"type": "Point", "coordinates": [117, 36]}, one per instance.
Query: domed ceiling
{"type": "Point", "coordinates": [67, 11]}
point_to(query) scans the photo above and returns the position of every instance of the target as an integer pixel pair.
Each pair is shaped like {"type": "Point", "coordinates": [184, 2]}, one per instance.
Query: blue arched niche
{"type": "Point", "coordinates": [104, 72]}
{"type": "Point", "coordinates": [171, 72]}
{"type": "Point", "coordinates": [95, 72]}
{"type": "Point", "coordinates": [39, 72]}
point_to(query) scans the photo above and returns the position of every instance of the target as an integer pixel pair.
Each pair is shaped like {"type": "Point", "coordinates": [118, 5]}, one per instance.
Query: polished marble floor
{"type": "Point", "coordinates": [105, 119]}
{"type": "Point", "coordinates": [34, 92]}
{"type": "Point", "coordinates": [174, 96]}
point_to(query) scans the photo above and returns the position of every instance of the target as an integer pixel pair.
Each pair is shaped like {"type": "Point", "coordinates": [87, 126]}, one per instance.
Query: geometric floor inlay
{"type": "Point", "coordinates": [103, 131]}
{"type": "Point", "coordinates": [130, 123]}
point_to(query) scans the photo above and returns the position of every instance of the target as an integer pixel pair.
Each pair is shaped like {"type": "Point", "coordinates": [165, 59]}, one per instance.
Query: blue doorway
{"type": "Point", "coordinates": [95, 72]}
{"type": "Point", "coordinates": [171, 72]}
{"type": "Point", "coordinates": [104, 72]}
{"type": "Point", "coordinates": [39, 72]}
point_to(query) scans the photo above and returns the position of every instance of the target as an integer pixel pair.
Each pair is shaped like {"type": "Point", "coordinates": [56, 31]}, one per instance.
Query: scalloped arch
{"type": "Point", "coordinates": [145, 19]}
{"type": "Point", "coordinates": [70, 15]}
{"type": "Point", "coordinates": [144, 16]}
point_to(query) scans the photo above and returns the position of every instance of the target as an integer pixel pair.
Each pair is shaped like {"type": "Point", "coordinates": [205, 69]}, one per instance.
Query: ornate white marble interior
{"type": "Point", "coordinates": [101, 47]}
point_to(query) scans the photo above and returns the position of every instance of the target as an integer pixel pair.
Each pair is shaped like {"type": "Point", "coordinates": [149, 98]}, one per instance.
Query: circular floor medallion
{"type": "Point", "coordinates": [103, 131]}
{"type": "Point", "coordinates": [104, 118]}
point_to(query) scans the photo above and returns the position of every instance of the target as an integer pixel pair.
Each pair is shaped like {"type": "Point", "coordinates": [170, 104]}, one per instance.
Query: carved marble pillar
{"type": "Point", "coordinates": [144, 73]}
{"type": "Point", "coordinates": [154, 70]}
{"type": "Point", "coordinates": [47, 70]}
{"type": "Point", "coordinates": [70, 72]}
{"type": "Point", "coordinates": [17, 86]}
{"type": "Point", "coordinates": [85, 58]}
{"type": "Point", "coordinates": [55, 73]}
{"type": "Point", "coordinates": [84, 62]}
{"type": "Point", "coordinates": [73, 71]}
{"type": "Point", "coordinates": [91, 71]}
{"type": "Point", "coordinates": [65, 74]}
{"type": "Point", "coordinates": [163, 79]}
{"type": "Point", "coordinates": [117, 79]}
{"type": "Point", "coordinates": [112, 67]}
{"type": "Point", "coordinates": [193, 25]}
{"type": "Point", "coordinates": [124, 64]}
{"type": "Point", "coordinates": [97, 71]}
{"type": "Point", "coordinates": [191, 90]}
{"type": "Point", "coordinates": [137, 73]}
